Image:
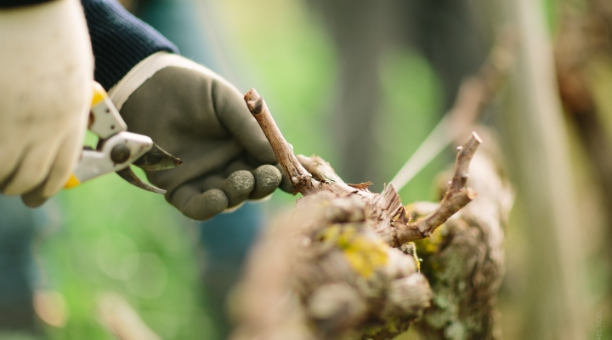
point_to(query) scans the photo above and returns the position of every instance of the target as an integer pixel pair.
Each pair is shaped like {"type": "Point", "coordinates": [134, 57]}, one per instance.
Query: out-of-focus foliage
{"type": "Point", "coordinates": [412, 107]}
{"type": "Point", "coordinates": [116, 238]}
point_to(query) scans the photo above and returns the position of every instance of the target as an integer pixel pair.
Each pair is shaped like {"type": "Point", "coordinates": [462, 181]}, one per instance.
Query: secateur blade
{"type": "Point", "coordinates": [157, 159]}
{"type": "Point", "coordinates": [128, 175]}
{"type": "Point", "coordinates": [153, 160]}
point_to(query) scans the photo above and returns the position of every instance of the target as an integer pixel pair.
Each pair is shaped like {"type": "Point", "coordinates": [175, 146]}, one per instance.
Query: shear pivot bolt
{"type": "Point", "coordinates": [120, 153]}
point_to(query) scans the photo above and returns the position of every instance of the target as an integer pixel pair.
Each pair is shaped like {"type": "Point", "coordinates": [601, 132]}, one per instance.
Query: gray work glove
{"type": "Point", "coordinates": [199, 117]}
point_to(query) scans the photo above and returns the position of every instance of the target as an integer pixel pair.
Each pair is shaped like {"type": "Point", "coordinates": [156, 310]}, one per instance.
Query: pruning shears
{"type": "Point", "coordinates": [117, 148]}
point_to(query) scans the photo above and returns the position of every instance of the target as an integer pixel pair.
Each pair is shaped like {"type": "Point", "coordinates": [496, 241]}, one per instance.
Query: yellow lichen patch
{"type": "Point", "coordinates": [430, 244]}
{"type": "Point", "coordinates": [408, 208]}
{"type": "Point", "coordinates": [390, 325]}
{"type": "Point", "coordinates": [328, 234]}
{"type": "Point", "coordinates": [363, 254]}
{"type": "Point", "coordinates": [427, 247]}
{"type": "Point", "coordinates": [346, 237]}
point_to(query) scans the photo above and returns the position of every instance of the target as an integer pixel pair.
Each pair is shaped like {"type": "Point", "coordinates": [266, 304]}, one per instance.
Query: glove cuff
{"type": "Point", "coordinates": [145, 69]}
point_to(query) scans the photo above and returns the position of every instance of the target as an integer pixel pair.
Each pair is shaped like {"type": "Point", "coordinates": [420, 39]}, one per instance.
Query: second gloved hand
{"type": "Point", "coordinates": [199, 117]}
{"type": "Point", "coordinates": [46, 69]}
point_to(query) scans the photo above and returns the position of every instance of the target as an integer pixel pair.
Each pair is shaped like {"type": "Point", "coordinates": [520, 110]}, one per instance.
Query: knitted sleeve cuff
{"type": "Point", "coordinates": [119, 40]}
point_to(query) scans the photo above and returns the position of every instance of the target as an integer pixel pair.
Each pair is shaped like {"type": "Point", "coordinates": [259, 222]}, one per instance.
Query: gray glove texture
{"type": "Point", "coordinates": [204, 121]}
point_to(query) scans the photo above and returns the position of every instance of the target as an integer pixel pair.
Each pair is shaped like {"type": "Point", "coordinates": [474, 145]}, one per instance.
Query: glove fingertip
{"type": "Point", "coordinates": [33, 200]}
{"type": "Point", "coordinates": [206, 205]}
{"type": "Point", "coordinates": [238, 186]}
{"type": "Point", "coordinates": [267, 179]}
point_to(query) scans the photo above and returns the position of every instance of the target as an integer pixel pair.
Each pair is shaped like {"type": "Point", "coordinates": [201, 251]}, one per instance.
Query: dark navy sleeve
{"type": "Point", "coordinates": [119, 40]}
{"type": "Point", "coordinates": [19, 3]}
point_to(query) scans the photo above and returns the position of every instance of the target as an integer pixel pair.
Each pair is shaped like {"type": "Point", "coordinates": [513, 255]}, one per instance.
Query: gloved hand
{"type": "Point", "coordinates": [200, 118]}
{"type": "Point", "coordinates": [46, 70]}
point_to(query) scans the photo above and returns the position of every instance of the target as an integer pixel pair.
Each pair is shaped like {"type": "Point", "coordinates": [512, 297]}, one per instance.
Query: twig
{"type": "Point", "coordinates": [457, 196]}
{"type": "Point", "coordinates": [319, 168]}
{"type": "Point", "coordinates": [300, 178]}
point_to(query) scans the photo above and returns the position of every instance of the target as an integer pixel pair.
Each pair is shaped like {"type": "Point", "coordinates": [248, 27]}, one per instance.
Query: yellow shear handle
{"type": "Point", "coordinates": [99, 94]}
{"type": "Point", "coordinates": [73, 181]}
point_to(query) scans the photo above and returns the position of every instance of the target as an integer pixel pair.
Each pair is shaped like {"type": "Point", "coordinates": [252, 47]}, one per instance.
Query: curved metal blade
{"type": "Point", "coordinates": [157, 159]}
{"type": "Point", "coordinates": [128, 175]}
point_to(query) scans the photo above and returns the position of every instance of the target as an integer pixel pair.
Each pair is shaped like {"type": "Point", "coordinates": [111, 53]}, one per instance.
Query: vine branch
{"type": "Point", "coordinates": [387, 215]}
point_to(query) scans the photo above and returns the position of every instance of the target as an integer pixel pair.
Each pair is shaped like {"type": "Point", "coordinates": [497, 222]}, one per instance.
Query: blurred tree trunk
{"type": "Point", "coordinates": [358, 30]}
{"type": "Point", "coordinates": [537, 135]}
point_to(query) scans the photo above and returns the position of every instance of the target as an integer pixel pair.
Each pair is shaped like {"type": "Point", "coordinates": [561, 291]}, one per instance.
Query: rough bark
{"type": "Point", "coordinates": [341, 266]}
{"type": "Point", "coordinates": [325, 273]}
{"type": "Point", "coordinates": [329, 276]}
